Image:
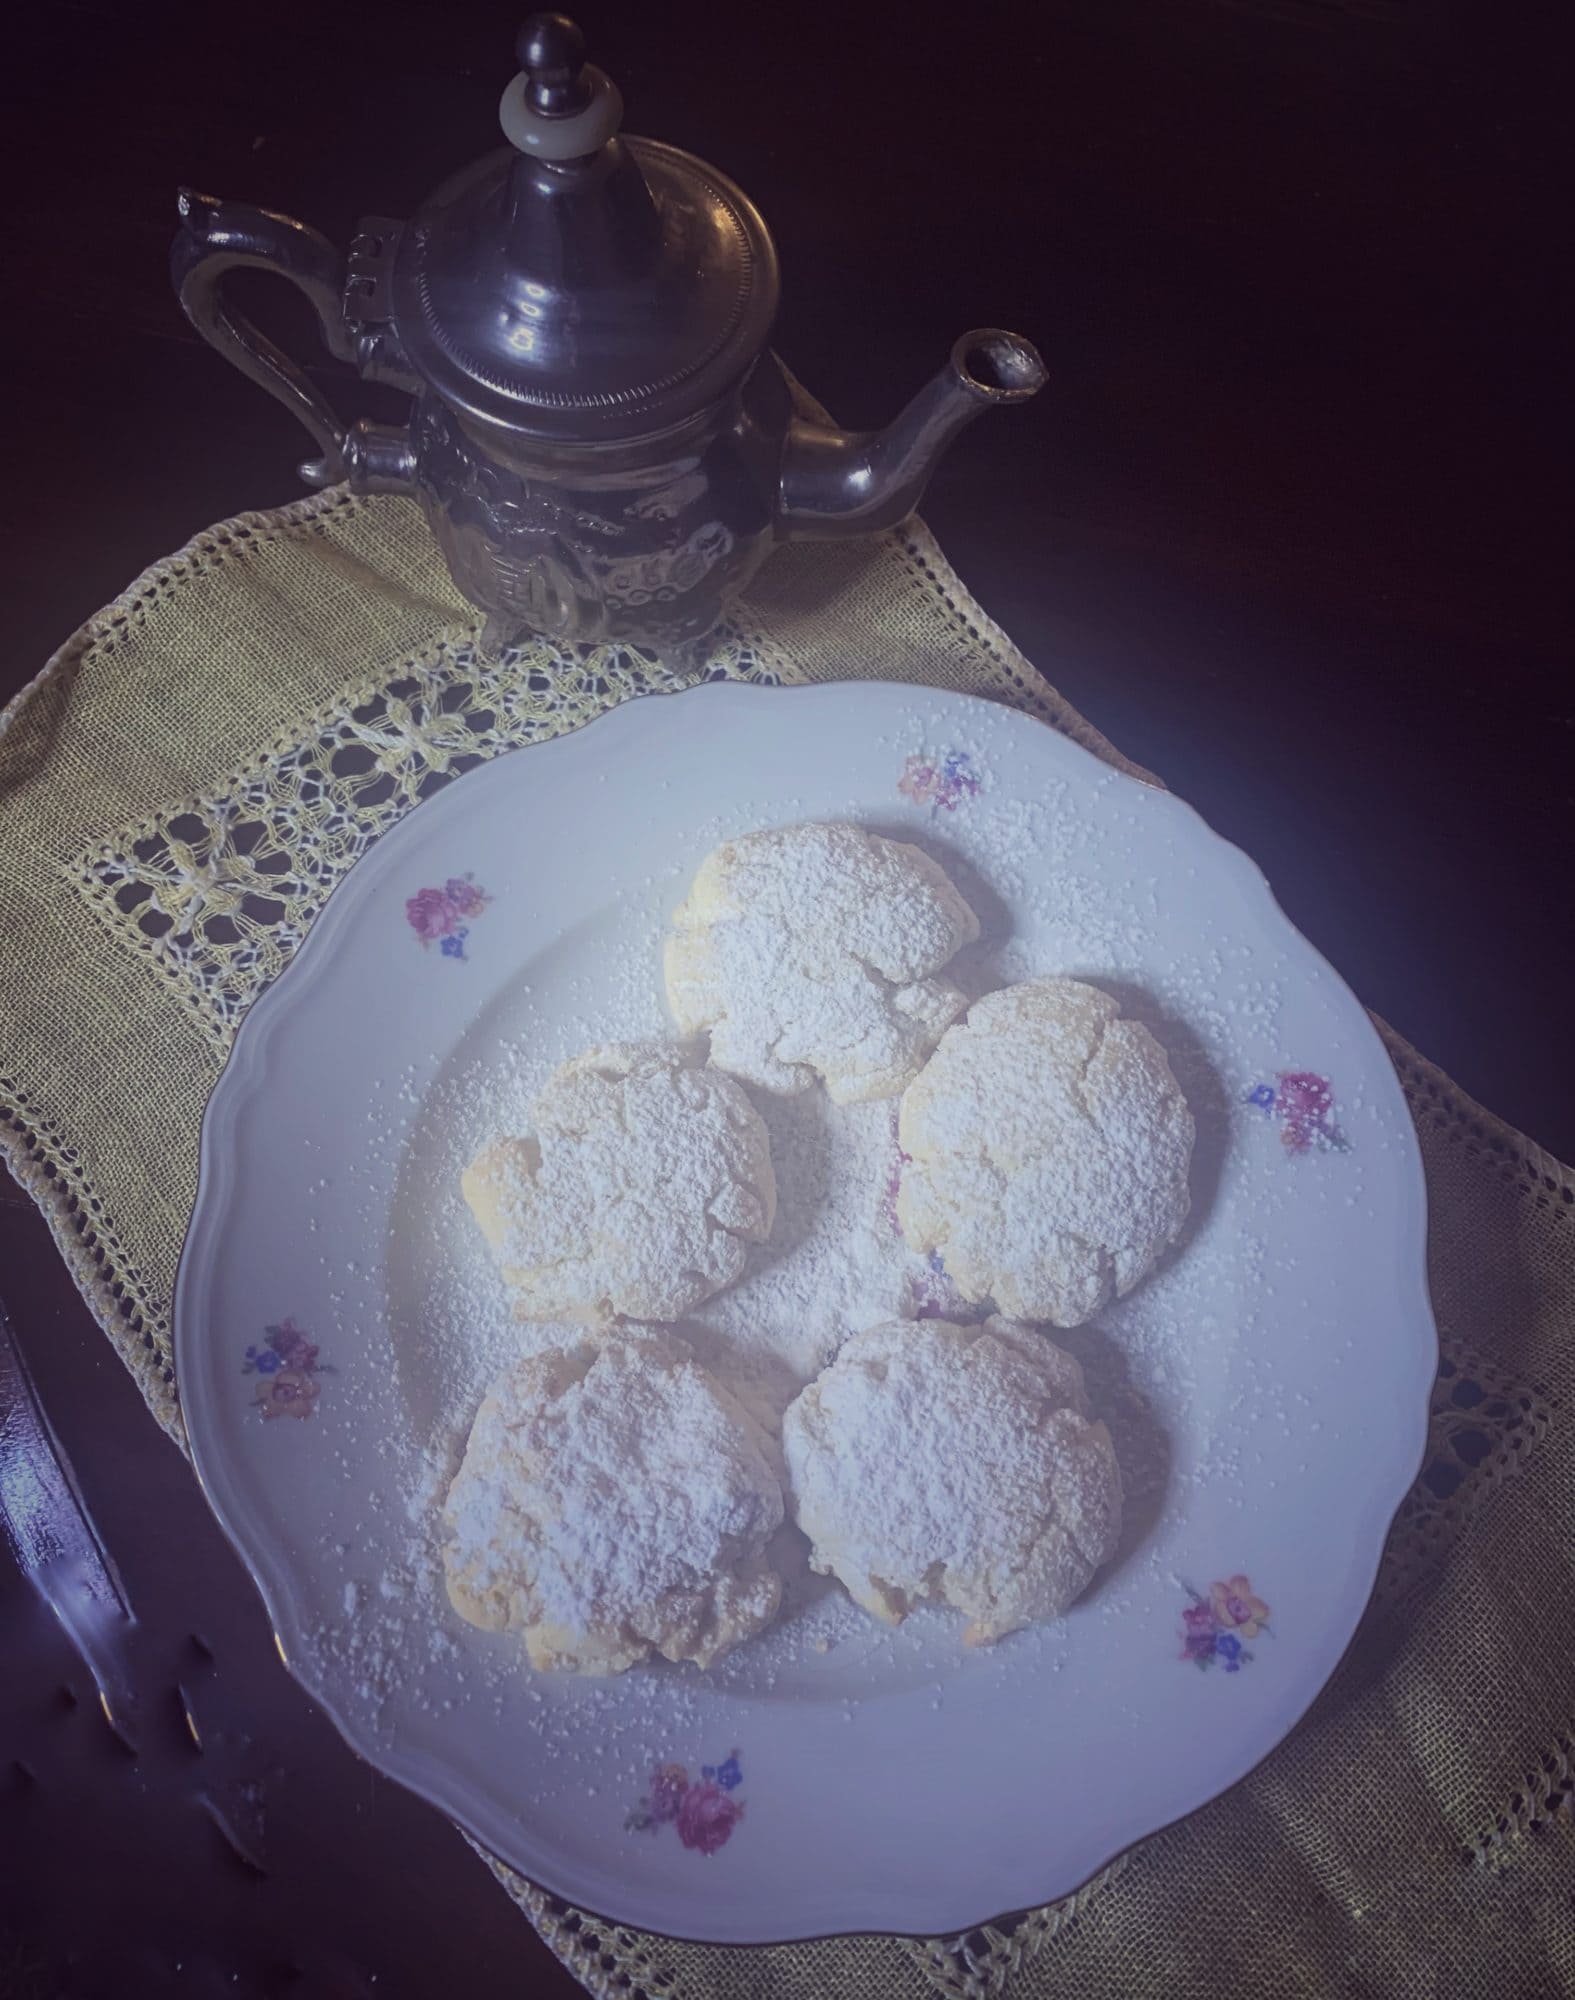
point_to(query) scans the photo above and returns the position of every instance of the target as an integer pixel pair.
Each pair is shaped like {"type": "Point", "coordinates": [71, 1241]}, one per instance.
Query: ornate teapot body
{"type": "Point", "coordinates": [604, 444]}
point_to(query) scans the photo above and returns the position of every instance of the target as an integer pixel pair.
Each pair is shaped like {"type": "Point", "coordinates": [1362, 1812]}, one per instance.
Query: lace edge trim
{"type": "Point", "coordinates": [104, 1275]}
{"type": "Point", "coordinates": [607, 1968]}
{"type": "Point", "coordinates": [1484, 1134]}
{"type": "Point", "coordinates": [1544, 1803]}
{"type": "Point", "coordinates": [956, 1965]}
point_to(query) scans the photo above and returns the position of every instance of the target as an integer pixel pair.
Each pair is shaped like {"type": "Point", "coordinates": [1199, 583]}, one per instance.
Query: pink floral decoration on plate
{"type": "Point", "coordinates": [1304, 1105]}
{"type": "Point", "coordinates": [287, 1368]}
{"type": "Point", "coordinates": [1218, 1623]}
{"type": "Point", "coordinates": [443, 916]}
{"type": "Point", "coordinates": [939, 783]}
{"type": "Point", "coordinates": [702, 1811]}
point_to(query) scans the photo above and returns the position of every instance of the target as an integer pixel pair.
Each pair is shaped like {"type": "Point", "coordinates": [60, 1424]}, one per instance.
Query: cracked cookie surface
{"type": "Point", "coordinates": [954, 1465]}
{"type": "Point", "coordinates": [1048, 1151]}
{"type": "Point", "coordinates": [812, 951]}
{"type": "Point", "coordinates": [614, 1501]}
{"type": "Point", "coordinates": [641, 1184]}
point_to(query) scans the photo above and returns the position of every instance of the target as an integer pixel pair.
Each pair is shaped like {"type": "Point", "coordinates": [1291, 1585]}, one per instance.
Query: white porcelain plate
{"type": "Point", "coordinates": [1268, 1387]}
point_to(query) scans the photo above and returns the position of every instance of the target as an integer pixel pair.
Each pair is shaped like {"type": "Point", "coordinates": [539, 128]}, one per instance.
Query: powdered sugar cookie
{"type": "Point", "coordinates": [614, 1501]}
{"type": "Point", "coordinates": [812, 950]}
{"type": "Point", "coordinates": [1048, 1149]}
{"type": "Point", "coordinates": [637, 1192]}
{"type": "Point", "coordinates": [954, 1465]}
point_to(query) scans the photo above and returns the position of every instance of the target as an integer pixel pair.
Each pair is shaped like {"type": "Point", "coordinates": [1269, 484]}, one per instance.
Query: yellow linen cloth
{"type": "Point", "coordinates": [182, 787]}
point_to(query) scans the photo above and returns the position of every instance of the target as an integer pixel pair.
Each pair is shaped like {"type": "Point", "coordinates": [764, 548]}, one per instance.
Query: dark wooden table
{"type": "Point", "coordinates": [1290, 524]}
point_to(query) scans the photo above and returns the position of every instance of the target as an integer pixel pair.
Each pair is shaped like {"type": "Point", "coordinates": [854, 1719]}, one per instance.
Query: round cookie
{"type": "Point", "coordinates": [637, 1192]}
{"type": "Point", "coordinates": [954, 1465]}
{"type": "Point", "coordinates": [811, 950]}
{"type": "Point", "coordinates": [1048, 1148]}
{"type": "Point", "coordinates": [614, 1501]}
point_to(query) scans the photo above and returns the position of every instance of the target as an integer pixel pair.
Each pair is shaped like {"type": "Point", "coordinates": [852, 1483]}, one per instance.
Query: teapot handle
{"type": "Point", "coordinates": [217, 237]}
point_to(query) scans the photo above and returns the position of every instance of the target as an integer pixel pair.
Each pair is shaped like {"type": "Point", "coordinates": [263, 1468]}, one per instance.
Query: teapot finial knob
{"type": "Point", "coordinates": [551, 52]}
{"type": "Point", "coordinates": [559, 107]}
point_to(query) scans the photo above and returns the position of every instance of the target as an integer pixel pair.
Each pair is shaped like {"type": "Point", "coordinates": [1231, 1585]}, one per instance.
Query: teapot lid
{"type": "Point", "coordinates": [579, 284]}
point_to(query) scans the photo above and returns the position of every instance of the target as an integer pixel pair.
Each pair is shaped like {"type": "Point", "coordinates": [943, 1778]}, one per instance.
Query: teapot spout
{"type": "Point", "coordinates": [837, 483]}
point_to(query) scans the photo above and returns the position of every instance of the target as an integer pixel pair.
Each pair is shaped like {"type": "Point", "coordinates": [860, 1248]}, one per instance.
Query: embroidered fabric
{"type": "Point", "coordinates": [185, 783]}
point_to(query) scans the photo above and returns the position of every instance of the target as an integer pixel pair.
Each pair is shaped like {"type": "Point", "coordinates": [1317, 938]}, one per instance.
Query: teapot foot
{"type": "Point", "coordinates": [498, 632]}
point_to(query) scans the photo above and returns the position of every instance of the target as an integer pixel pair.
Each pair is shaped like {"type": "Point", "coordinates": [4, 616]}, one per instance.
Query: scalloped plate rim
{"type": "Point", "coordinates": [270, 1570]}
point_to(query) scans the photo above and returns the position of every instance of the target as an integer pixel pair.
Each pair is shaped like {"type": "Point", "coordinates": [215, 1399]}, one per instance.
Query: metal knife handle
{"type": "Point", "coordinates": [46, 1525]}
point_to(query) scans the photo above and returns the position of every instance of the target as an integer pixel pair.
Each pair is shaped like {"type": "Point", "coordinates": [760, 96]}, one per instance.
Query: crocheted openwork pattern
{"type": "Point", "coordinates": [218, 893]}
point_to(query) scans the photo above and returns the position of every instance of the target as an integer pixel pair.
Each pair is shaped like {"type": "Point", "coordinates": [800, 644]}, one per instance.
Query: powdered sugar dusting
{"type": "Point", "coordinates": [834, 1263]}
{"type": "Point", "coordinates": [638, 1183]}
{"type": "Point", "coordinates": [811, 951]}
{"type": "Point", "coordinates": [1158, 1364]}
{"type": "Point", "coordinates": [957, 1465]}
{"type": "Point", "coordinates": [1237, 1380]}
{"type": "Point", "coordinates": [1050, 1151]}
{"type": "Point", "coordinates": [614, 1502]}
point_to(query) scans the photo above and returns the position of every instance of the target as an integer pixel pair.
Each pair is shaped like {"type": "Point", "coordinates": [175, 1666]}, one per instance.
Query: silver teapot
{"type": "Point", "coordinates": [604, 444]}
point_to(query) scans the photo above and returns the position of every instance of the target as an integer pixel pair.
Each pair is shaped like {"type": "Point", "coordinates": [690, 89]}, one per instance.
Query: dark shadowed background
{"type": "Point", "coordinates": [1290, 524]}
